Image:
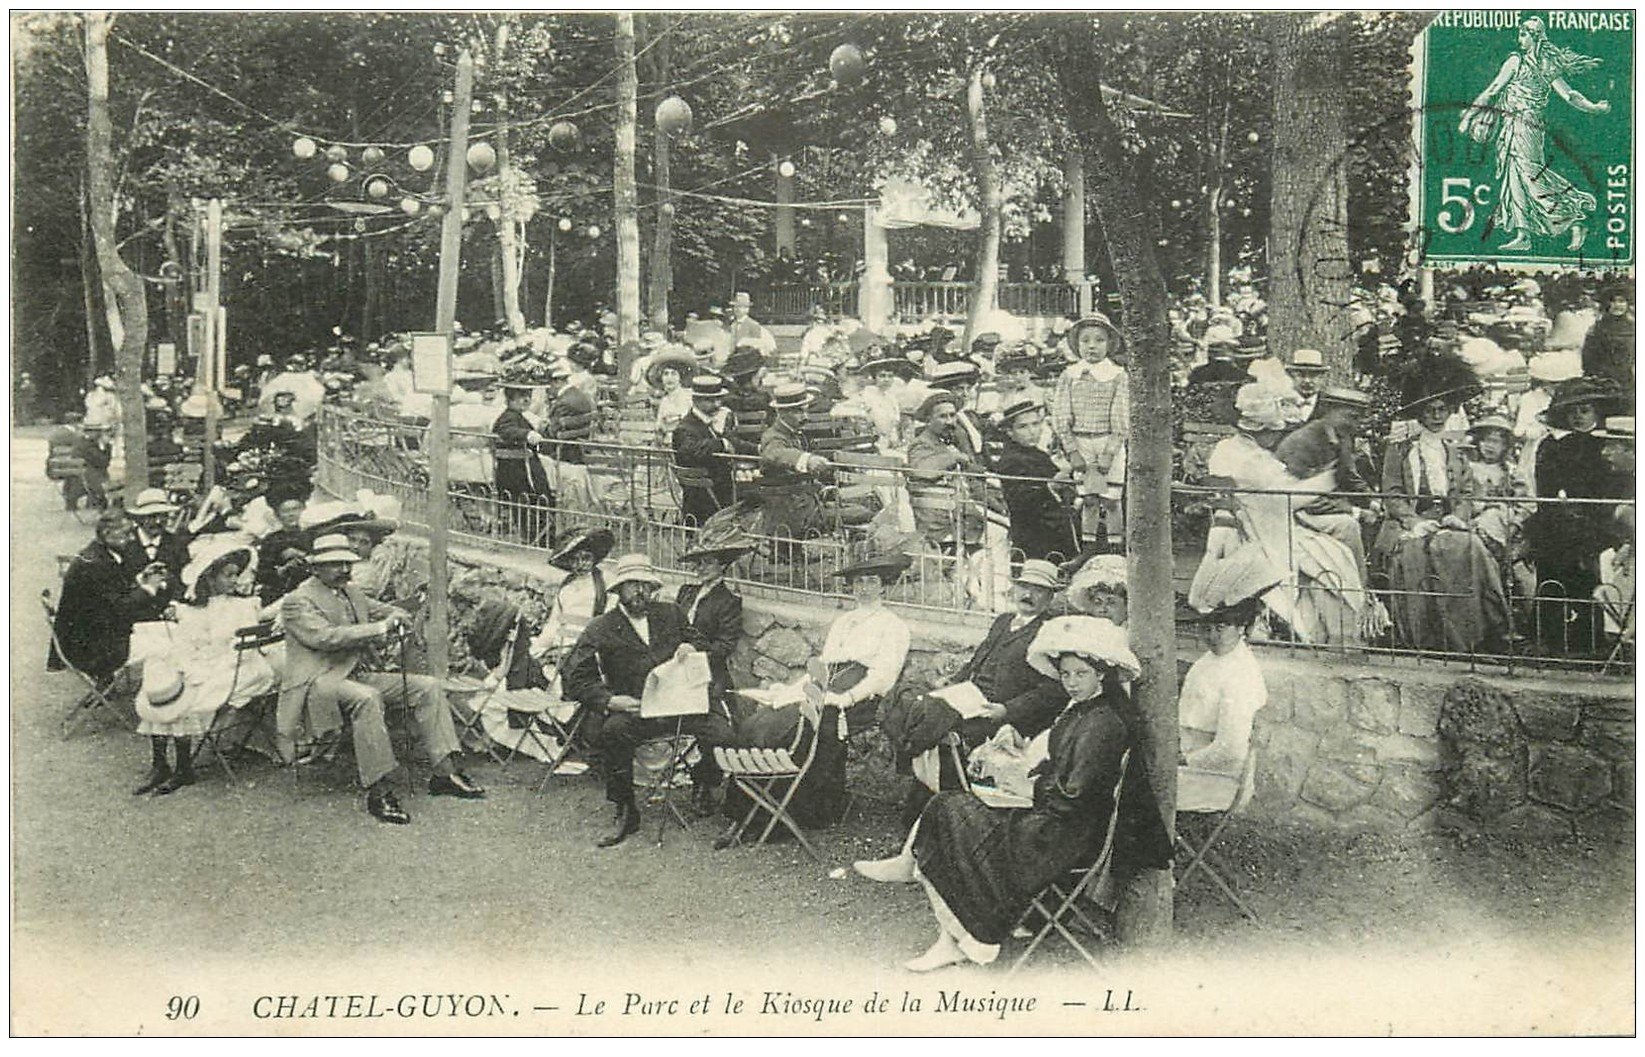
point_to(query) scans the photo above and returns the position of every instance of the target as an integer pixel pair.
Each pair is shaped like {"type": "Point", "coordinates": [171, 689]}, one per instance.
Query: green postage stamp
{"type": "Point", "coordinates": [1523, 122]}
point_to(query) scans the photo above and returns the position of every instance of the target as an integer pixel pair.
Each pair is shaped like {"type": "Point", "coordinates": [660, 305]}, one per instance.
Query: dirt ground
{"type": "Point", "coordinates": [239, 893]}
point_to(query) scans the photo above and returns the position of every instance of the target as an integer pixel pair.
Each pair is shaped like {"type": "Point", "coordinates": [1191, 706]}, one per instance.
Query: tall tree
{"type": "Point", "coordinates": [1127, 219]}
{"type": "Point", "coordinates": [123, 286]}
{"type": "Point", "coordinates": [625, 201]}
{"type": "Point", "coordinates": [1312, 274]}
{"type": "Point", "coordinates": [990, 198]}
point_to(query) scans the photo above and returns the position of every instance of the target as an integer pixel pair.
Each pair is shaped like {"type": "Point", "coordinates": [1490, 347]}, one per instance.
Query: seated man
{"type": "Point", "coordinates": [103, 595]}
{"type": "Point", "coordinates": [606, 671]}
{"type": "Point", "coordinates": [999, 669]}
{"type": "Point", "coordinates": [152, 541]}
{"type": "Point", "coordinates": [330, 628]}
{"type": "Point", "coordinates": [794, 506]}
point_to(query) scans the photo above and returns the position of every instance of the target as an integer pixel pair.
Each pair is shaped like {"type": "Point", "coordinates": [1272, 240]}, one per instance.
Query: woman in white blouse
{"type": "Point", "coordinates": [1220, 698]}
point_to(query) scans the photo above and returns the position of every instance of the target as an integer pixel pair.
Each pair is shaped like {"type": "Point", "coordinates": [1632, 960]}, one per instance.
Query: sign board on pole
{"type": "Point", "coordinates": [431, 363]}
{"type": "Point", "coordinates": [165, 358]}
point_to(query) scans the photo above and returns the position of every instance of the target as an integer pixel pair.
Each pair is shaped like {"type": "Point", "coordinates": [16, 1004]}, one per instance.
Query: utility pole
{"type": "Point", "coordinates": [209, 372]}
{"type": "Point", "coordinates": [439, 430]}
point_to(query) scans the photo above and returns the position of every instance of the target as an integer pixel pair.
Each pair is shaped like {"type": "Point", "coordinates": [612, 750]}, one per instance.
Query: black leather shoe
{"type": "Point", "coordinates": [174, 783]}
{"type": "Point", "coordinates": [628, 820]}
{"type": "Point", "coordinates": [156, 777]}
{"type": "Point", "coordinates": [455, 784]}
{"type": "Point", "coordinates": [385, 808]}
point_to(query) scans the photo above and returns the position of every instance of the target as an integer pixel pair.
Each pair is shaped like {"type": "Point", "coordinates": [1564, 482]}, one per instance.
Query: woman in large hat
{"type": "Point", "coordinates": [580, 597]}
{"type": "Point", "coordinates": [1446, 591]}
{"type": "Point", "coordinates": [982, 866]}
{"type": "Point", "coordinates": [200, 670]}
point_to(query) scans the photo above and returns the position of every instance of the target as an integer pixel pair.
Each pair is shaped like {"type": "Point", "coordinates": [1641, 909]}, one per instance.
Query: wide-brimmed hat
{"type": "Point", "coordinates": [986, 341]}
{"type": "Point", "coordinates": [901, 365]}
{"type": "Point", "coordinates": [791, 395]}
{"type": "Point", "coordinates": [1093, 638]}
{"type": "Point", "coordinates": [861, 340]}
{"type": "Point", "coordinates": [955, 373]}
{"type": "Point", "coordinates": [1222, 349]}
{"type": "Point", "coordinates": [207, 552]}
{"type": "Point", "coordinates": [1496, 422]}
{"type": "Point", "coordinates": [1037, 572]}
{"type": "Point", "coordinates": [1307, 360]}
{"type": "Point", "coordinates": [724, 544]}
{"type": "Point", "coordinates": [1617, 427]}
{"type": "Point", "coordinates": [1021, 408]}
{"type": "Point", "coordinates": [152, 501]}
{"type": "Point", "coordinates": [160, 698]}
{"type": "Point", "coordinates": [1346, 396]}
{"type": "Point", "coordinates": [683, 363]}
{"type": "Point", "coordinates": [1251, 347]}
{"type": "Point", "coordinates": [1106, 571]}
{"type": "Point", "coordinates": [597, 542]}
{"type": "Point", "coordinates": [744, 360]}
{"type": "Point", "coordinates": [332, 548]}
{"type": "Point", "coordinates": [632, 568]}
{"type": "Point", "coordinates": [1443, 376]}
{"type": "Point", "coordinates": [708, 385]}
{"type": "Point", "coordinates": [347, 521]}
{"type": "Point", "coordinates": [583, 354]}
{"type": "Point", "coordinates": [1095, 319]}
{"type": "Point", "coordinates": [1016, 360]}
{"type": "Point", "coordinates": [1254, 397]}
{"type": "Point", "coordinates": [1231, 590]}
{"type": "Point", "coordinates": [1579, 391]}
{"type": "Point", "coordinates": [886, 566]}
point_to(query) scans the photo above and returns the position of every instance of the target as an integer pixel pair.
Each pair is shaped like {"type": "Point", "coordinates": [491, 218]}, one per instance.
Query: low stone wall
{"type": "Point", "coordinates": [1341, 743]}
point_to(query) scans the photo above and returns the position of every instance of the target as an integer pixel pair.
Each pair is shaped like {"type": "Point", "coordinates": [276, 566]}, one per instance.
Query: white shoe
{"type": "Point", "coordinates": [944, 952]}
{"type": "Point", "coordinates": [899, 869]}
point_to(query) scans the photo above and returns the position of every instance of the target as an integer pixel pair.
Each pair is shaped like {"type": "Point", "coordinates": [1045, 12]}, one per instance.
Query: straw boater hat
{"type": "Point", "coordinates": [791, 395]}
{"type": "Point", "coordinates": [708, 385]}
{"type": "Point", "coordinates": [1037, 572]}
{"type": "Point", "coordinates": [332, 548]}
{"type": "Point", "coordinates": [955, 373]}
{"type": "Point", "coordinates": [597, 542]}
{"type": "Point", "coordinates": [1345, 396]}
{"type": "Point", "coordinates": [152, 501]}
{"type": "Point", "coordinates": [160, 700]}
{"type": "Point", "coordinates": [1093, 638]}
{"type": "Point", "coordinates": [1307, 360]}
{"type": "Point", "coordinates": [632, 568]}
{"type": "Point", "coordinates": [888, 567]}
{"type": "Point", "coordinates": [684, 364]}
{"type": "Point", "coordinates": [1019, 409]}
{"type": "Point", "coordinates": [207, 553]}
{"type": "Point", "coordinates": [1103, 571]}
{"type": "Point", "coordinates": [1096, 319]}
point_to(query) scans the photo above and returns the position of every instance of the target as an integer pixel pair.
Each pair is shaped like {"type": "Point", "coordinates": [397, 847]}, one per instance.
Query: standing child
{"type": "Point", "coordinates": [1091, 415]}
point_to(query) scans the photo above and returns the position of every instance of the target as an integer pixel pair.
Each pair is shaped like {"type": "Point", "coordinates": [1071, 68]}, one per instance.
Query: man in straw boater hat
{"type": "Point", "coordinates": [522, 483]}
{"type": "Point", "coordinates": [606, 672]}
{"type": "Point", "coordinates": [1042, 519]}
{"type": "Point", "coordinates": [701, 443]}
{"type": "Point", "coordinates": [153, 541]}
{"type": "Point", "coordinates": [790, 474]}
{"type": "Point", "coordinates": [1012, 690]}
{"type": "Point", "coordinates": [1091, 415]}
{"type": "Point", "coordinates": [331, 628]}
{"type": "Point", "coordinates": [1307, 372]}
{"type": "Point", "coordinates": [932, 455]}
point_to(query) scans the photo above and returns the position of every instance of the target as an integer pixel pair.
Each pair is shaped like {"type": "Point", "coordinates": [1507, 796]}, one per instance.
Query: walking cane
{"type": "Point", "coordinates": [405, 698]}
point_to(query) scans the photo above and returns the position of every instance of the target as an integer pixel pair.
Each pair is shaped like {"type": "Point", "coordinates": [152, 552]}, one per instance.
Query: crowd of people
{"type": "Point", "coordinates": [1322, 528]}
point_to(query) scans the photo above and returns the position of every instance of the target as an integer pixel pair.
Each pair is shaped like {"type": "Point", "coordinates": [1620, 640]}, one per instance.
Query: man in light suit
{"type": "Point", "coordinates": [330, 629]}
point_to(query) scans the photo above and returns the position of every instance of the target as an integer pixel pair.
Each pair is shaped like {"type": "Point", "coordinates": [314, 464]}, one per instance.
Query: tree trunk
{"type": "Point", "coordinates": [99, 356]}
{"type": "Point", "coordinates": [662, 246]}
{"type": "Point", "coordinates": [1144, 914]}
{"type": "Point", "coordinates": [124, 285]}
{"type": "Point", "coordinates": [508, 233]}
{"type": "Point", "coordinates": [1308, 237]}
{"type": "Point", "coordinates": [985, 282]}
{"type": "Point", "coordinates": [625, 200]}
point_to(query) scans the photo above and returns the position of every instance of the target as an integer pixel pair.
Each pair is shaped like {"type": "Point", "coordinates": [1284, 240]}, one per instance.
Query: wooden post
{"type": "Point", "coordinates": [625, 198]}
{"type": "Point", "coordinates": [874, 298]}
{"type": "Point", "coordinates": [439, 430]}
{"type": "Point", "coordinates": [209, 369]}
{"type": "Point", "coordinates": [785, 209]}
{"type": "Point", "coordinates": [1073, 225]}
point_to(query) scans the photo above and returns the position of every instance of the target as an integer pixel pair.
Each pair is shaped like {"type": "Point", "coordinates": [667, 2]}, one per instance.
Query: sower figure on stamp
{"type": "Point", "coordinates": [331, 627]}
{"type": "Point", "coordinates": [606, 672]}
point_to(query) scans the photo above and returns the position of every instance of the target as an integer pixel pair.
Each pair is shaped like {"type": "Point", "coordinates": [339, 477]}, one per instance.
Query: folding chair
{"type": "Point", "coordinates": [761, 774]}
{"type": "Point", "coordinates": [96, 700]}
{"type": "Point", "coordinates": [232, 728]}
{"type": "Point", "coordinates": [1200, 857]}
{"type": "Point", "coordinates": [1060, 902]}
{"type": "Point", "coordinates": [664, 760]}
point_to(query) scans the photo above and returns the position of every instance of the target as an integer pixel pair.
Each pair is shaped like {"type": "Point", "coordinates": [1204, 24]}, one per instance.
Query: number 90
{"type": "Point", "coordinates": [179, 1007]}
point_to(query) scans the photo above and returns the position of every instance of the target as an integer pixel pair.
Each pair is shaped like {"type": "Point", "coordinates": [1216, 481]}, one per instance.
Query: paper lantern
{"type": "Point", "coordinates": [436, 210]}
{"type": "Point", "coordinates": [420, 158]}
{"type": "Point", "coordinates": [674, 116]}
{"type": "Point", "coordinates": [304, 147]}
{"type": "Point", "coordinates": [410, 206]}
{"type": "Point", "coordinates": [481, 157]}
{"type": "Point", "coordinates": [494, 212]}
{"type": "Point", "coordinates": [786, 170]}
{"type": "Point", "coordinates": [667, 209]}
{"type": "Point", "coordinates": [377, 188]}
{"type": "Point", "coordinates": [336, 153]}
{"type": "Point", "coordinates": [1252, 137]}
{"type": "Point", "coordinates": [563, 136]}
{"type": "Point", "coordinates": [1176, 203]}
{"type": "Point", "coordinates": [372, 155]}
{"type": "Point", "coordinates": [593, 231]}
{"type": "Point", "coordinates": [337, 171]}
{"type": "Point", "coordinates": [847, 65]}
{"type": "Point", "coordinates": [888, 125]}
{"type": "Point", "coordinates": [565, 224]}
{"type": "Point", "coordinates": [989, 81]}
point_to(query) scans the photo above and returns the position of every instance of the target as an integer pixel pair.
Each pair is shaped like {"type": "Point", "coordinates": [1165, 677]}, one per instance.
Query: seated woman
{"type": "Point", "coordinates": [1223, 691]}
{"type": "Point", "coordinates": [201, 671]}
{"type": "Point", "coordinates": [580, 597]}
{"type": "Point", "coordinates": [982, 866]}
{"type": "Point", "coordinates": [1445, 587]}
{"type": "Point", "coordinates": [1323, 597]}
{"type": "Point", "coordinates": [667, 374]}
{"type": "Point", "coordinates": [1098, 589]}
{"type": "Point", "coordinates": [861, 659]}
